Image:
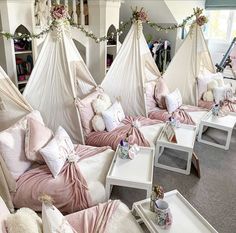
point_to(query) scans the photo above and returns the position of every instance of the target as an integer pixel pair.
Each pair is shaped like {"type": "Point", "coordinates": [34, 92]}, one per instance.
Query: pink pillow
{"type": "Point", "coordinates": [161, 90]}
{"type": "Point", "coordinates": [36, 137]}
{"type": "Point", "coordinates": [4, 213]}
{"type": "Point", "coordinates": [150, 99]}
{"type": "Point", "coordinates": [86, 111]}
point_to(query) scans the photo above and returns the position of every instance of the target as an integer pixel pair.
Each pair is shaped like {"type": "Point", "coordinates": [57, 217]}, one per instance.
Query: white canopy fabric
{"type": "Point", "coordinates": [58, 78]}
{"type": "Point", "coordinates": [13, 106]}
{"type": "Point", "coordinates": [132, 68]}
{"type": "Point", "coordinates": [189, 61]}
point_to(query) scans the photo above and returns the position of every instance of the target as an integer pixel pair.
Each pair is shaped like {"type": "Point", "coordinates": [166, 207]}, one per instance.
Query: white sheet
{"type": "Point", "coordinates": [123, 221]}
{"type": "Point", "coordinates": [94, 170]}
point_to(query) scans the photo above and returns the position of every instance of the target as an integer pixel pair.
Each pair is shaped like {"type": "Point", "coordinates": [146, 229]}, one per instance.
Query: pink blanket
{"type": "Point", "coordinates": [114, 137]}
{"type": "Point", "coordinates": [228, 105]}
{"type": "Point", "coordinates": [181, 114]}
{"type": "Point", "coordinates": [93, 220]}
{"type": "Point", "coordinates": [69, 189]}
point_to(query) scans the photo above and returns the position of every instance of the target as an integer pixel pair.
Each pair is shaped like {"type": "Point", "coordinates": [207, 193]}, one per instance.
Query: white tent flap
{"type": "Point", "coordinates": [131, 69]}
{"type": "Point", "coordinates": [190, 59]}
{"type": "Point", "coordinates": [13, 106]}
{"type": "Point", "coordinates": [58, 78]}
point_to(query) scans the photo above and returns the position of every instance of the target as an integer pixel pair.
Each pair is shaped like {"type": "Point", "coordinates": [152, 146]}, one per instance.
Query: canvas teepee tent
{"type": "Point", "coordinates": [189, 61]}
{"type": "Point", "coordinates": [12, 104]}
{"type": "Point", "coordinates": [58, 78]}
{"type": "Point", "coordinates": [132, 68]}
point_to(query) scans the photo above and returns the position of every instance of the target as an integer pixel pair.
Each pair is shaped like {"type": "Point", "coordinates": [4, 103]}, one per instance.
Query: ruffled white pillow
{"type": "Point", "coordinates": [113, 116]}
{"type": "Point", "coordinates": [54, 221]}
{"type": "Point", "coordinates": [212, 84]}
{"type": "Point", "coordinates": [57, 151]}
{"type": "Point", "coordinates": [98, 123]}
{"type": "Point", "coordinates": [102, 103]}
{"type": "Point", "coordinates": [208, 96]}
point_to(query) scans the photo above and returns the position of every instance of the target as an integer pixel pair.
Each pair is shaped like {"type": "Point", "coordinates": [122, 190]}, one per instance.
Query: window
{"type": "Point", "coordinates": [221, 25]}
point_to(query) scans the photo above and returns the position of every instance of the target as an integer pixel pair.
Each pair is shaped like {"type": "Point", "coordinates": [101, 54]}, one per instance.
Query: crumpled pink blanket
{"type": "Point", "coordinates": [114, 137]}
{"type": "Point", "coordinates": [93, 220]}
{"type": "Point", "coordinates": [181, 114]}
{"type": "Point", "coordinates": [69, 190]}
{"type": "Point", "coordinates": [228, 105]}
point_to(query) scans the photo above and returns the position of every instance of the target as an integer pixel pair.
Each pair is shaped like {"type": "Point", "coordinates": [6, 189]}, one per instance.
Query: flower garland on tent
{"type": "Point", "coordinates": [59, 15]}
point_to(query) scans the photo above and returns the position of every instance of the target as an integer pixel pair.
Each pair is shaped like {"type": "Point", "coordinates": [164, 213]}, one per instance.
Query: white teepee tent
{"type": "Point", "coordinates": [132, 68]}
{"type": "Point", "coordinates": [58, 78]}
{"type": "Point", "coordinates": [13, 106]}
{"type": "Point", "coordinates": [189, 61]}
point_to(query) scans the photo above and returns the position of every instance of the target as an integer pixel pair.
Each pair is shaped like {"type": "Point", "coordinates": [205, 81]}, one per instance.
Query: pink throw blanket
{"type": "Point", "coordinates": [114, 137]}
{"type": "Point", "coordinates": [69, 189]}
{"type": "Point", "coordinates": [181, 114]}
{"type": "Point", "coordinates": [93, 220]}
{"type": "Point", "coordinates": [228, 105]}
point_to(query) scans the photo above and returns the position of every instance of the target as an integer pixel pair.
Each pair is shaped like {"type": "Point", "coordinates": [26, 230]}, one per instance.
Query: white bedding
{"type": "Point", "coordinates": [123, 221]}
{"type": "Point", "coordinates": [94, 170]}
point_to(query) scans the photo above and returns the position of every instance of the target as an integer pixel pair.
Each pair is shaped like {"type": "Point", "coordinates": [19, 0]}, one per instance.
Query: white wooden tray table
{"type": "Point", "coordinates": [185, 135]}
{"type": "Point", "coordinates": [225, 123]}
{"type": "Point", "coordinates": [186, 219]}
{"type": "Point", "coordinates": [135, 173]}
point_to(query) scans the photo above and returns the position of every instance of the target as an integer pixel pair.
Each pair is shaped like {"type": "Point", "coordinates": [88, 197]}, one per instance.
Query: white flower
{"type": "Point", "coordinates": [19, 34]}
{"type": "Point", "coordinates": [121, 22]}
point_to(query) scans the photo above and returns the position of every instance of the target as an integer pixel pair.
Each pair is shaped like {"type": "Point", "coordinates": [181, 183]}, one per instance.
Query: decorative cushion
{"type": "Point", "coordinates": [150, 99]}
{"type": "Point", "coordinates": [202, 86]}
{"type": "Point", "coordinates": [113, 116]}
{"type": "Point", "coordinates": [57, 150]}
{"type": "Point", "coordinates": [173, 100]}
{"type": "Point", "coordinates": [86, 111]}
{"type": "Point", "coordinates": [24, 220]}
{"type": "Point", "coordinates": [4, 213]}
{"type": "Point", "coordinates": [98, 123]}
{"type": "Point", "coordinates": [12, 147]}
{"type": "Point", "coordinates": [219, 78]}
{"type": "Point", "coordinates": [222, 93]}
{"type": "Point", "coordinates": [54, 221]}
{"type": "Point", "coordinates": [36, 137]}
{"type": "Point", "coordinates": [101, 104]}
{"type": "Point", "coordinates": [212, 84]}
{"type": "Point", "coordinates": [208, 96]}
{"type": "Point", "coordinates": [161, 90]}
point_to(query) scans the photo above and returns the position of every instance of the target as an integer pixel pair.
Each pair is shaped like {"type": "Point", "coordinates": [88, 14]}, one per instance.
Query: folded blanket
{"type": "Point", "coordinates": [69, 189]}
{"type": "Point", "coordinates": [95, 219]}
{"type": "Point", "coordinates": [181, 114]}
{"type": "Point", "coordinates": [130, 125]}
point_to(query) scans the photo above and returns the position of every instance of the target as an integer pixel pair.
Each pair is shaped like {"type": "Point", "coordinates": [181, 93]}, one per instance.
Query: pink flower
{"type": "Point", "coordinates": [59, 12]}
{"type": "Point", "coordinates": [201, 20]}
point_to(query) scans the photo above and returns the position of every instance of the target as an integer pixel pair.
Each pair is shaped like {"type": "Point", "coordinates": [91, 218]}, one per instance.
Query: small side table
{"type": "Point", "coordinates": [225, 123]}
{"type": "Point", "coordinates": [185, 136]}
{"type": "Point", "coordinates": [186, 218]}
{"type": "Point", "coordinates": [135, 173]}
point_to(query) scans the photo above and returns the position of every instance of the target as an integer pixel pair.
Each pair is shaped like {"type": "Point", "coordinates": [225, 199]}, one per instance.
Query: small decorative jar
{"type": "Point", "coordinates": [157, 193]}
{"type": "Point", "coordinates": [163, 214]}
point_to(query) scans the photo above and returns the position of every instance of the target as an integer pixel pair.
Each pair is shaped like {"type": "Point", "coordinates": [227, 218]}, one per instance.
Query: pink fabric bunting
{"type": "Point", "coordinates": [114, 137]}
{"type": "Point", "coordinates": [69, 190]}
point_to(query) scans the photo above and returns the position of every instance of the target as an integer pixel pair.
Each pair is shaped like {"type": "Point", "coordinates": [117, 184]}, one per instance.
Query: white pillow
{"type": "Point", "coordinates": [98, 123]}
{"type": "Point", "coordinates": [54, 221]}
{"type": "Point", "coordinates": [57, 151]}
{"type": "Point", "coordinates": [113, 116]}
{"type": "Point", "coordinates": [12, 145]}
{"type": "Point", "coordinates": [222, 93]}
{"type": "Point", "coordinates": [219, 78]}
{"type": "Point", "coordinates": [208, 96]}
{"type": "Point", "coordinates": [24, 220]}
{"type": "Point", "coordinates": [212, 84]}
{"type": "Point", "coordinates": [173, 100]}
{"type": "Point", "coordinates": [101, 104]}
